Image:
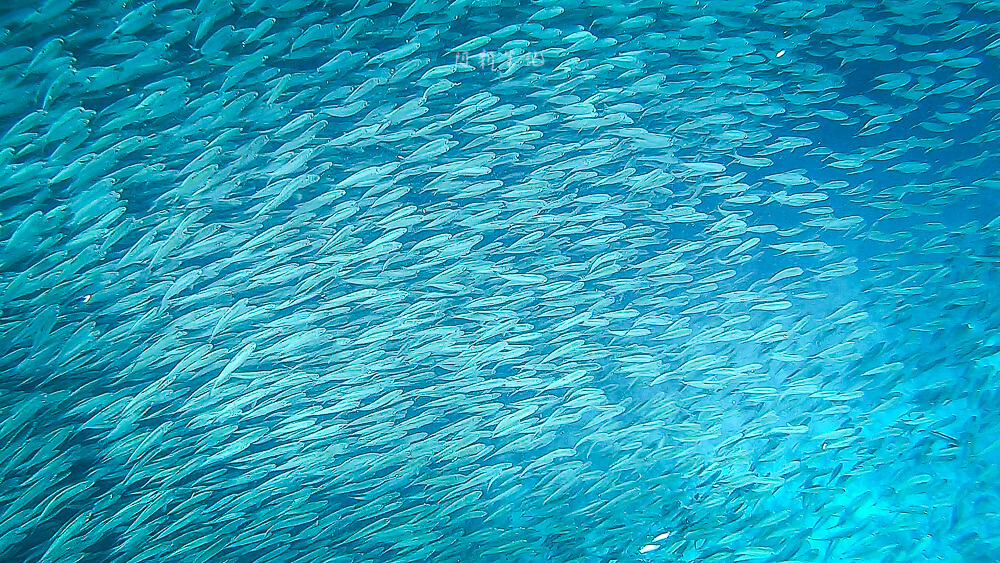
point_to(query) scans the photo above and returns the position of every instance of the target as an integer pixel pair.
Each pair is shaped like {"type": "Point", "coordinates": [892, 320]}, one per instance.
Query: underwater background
{"type": "Point", "coordinates": [483, 280]}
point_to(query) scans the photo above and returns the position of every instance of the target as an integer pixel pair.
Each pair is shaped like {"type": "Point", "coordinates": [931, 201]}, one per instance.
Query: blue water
{"type": "Point", "coordinates": [602, 373]}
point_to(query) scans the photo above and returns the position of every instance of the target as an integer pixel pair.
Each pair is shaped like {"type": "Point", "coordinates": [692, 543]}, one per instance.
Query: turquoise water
{"type": "Point", "coordinates": [488, 281]}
